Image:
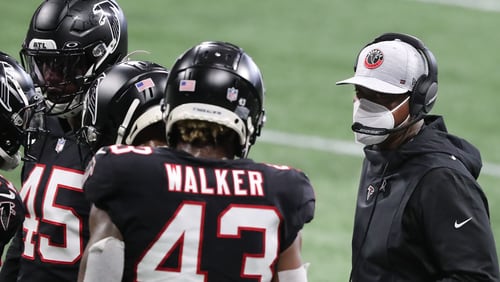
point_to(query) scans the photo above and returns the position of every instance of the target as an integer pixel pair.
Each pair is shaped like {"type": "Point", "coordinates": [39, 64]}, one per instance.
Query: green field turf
{"type": "Point", "coordinates": [303, 48]}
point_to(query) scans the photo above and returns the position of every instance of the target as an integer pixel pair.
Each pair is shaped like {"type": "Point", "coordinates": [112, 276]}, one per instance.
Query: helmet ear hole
{"type": "Point", "coordinates": [99, 50]}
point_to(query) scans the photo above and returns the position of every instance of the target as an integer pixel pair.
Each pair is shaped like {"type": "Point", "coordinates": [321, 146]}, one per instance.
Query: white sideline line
{"type": "Point", "coordinates": [336, 146]}
{"type": "Point", "coordinates": [312, 142]}
{"type": "Point", "coordinates": [483, 5]}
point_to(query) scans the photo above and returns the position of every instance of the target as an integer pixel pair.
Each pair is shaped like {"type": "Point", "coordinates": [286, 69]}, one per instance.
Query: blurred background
{"type": "Point", "coordinates": [303, 48]}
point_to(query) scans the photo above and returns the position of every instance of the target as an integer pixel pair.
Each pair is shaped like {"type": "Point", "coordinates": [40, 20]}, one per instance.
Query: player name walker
{"type": "Point", "coordinates": [224, 182]}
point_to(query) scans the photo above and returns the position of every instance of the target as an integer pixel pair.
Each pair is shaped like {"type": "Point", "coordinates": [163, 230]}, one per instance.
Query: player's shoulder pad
{"type": "Point", "coordinates": [286, 170]}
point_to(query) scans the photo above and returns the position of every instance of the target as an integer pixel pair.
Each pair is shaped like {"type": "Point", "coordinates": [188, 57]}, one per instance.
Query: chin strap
{"type": "Point", "coordinates": [123, 127]}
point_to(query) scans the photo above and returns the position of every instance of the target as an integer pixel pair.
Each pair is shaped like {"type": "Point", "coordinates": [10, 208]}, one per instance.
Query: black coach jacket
{"type": "Point", "coordinates": [421, 215]}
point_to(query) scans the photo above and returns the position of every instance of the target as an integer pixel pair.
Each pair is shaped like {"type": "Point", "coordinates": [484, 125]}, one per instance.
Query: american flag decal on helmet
{"type": "Point", "coordinates": [187, 85]}
{"type": "Point", "coordinates": [144, 84]}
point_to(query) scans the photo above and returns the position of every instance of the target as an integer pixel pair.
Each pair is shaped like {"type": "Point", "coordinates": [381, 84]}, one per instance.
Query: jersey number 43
{"type": "Point", "coordinates": [186, 228]}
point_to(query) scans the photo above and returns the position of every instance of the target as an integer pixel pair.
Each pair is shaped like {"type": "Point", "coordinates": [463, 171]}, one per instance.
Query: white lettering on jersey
{"type": "Point", "coordinates": [187, 179]}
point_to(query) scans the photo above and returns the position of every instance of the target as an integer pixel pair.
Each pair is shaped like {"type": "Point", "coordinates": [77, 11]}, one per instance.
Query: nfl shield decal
{"type": "Point", "coordinates": [60, 144]}
{"type": "Point", "coordinates": [232, 94]}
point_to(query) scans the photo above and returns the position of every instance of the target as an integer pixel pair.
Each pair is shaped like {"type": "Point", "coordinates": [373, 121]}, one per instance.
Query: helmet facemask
{"type": "Point", "coordinates": [68, 44]}
{"type": "Point", "coordinates": [63, 77]}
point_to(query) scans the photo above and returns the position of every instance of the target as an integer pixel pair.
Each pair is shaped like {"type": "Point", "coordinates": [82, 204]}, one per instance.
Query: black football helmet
{"type": "Point", "coordinates": [18, 103]}
{"type": "Point", "coordinates": [121, 102]}
{"type": "Point", "coordinates": [68, 43]}
{"type": "Point", "coordinates": [217, 82]}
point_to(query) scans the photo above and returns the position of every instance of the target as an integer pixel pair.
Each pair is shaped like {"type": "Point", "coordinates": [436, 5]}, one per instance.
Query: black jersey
{"type": "Point", "coordinates": [11, 212]}
{"type": "Point", "coordinates": [421, 215]}
{"type": "Point", "coordinates": [55, 229]}
{"type": "Point", "coordinates": [203, 219]}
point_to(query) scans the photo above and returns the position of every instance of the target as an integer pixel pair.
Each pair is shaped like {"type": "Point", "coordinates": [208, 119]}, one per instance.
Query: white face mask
{"type": "Point", "coordinates": [374, 115]}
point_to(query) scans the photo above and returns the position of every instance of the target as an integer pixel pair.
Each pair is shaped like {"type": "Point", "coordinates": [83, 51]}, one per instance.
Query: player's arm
{"type": "Point", "coordinates": [452, 210]}
{"type": "Point", "coordinates": [10, 268]}
{"type": "Point", "coordinates": [104, 254]}
{"type": "Point", "coordinates": [290, 266]}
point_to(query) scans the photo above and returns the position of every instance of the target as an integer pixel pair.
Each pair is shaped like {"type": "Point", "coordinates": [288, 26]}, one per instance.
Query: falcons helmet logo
{"type": "Point", "coordinates": [7, 211]}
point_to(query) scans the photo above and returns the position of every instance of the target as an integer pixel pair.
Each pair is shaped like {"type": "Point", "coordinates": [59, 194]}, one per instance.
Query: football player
{"type": "Point", "coordinates": [18, 104]}
{"type": "Point", "coordinates": [122, 106]}
{"type": "Point", "coordinates": [199, 209]}
{"type": "Point", "coordinates": [68, 43]}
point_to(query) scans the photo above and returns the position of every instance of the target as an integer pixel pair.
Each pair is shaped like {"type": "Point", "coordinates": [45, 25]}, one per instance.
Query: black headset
{"type": "Point", "coordinates": [424, 92]}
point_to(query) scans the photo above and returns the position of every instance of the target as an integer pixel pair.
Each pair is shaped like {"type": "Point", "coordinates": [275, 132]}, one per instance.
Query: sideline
{"type": "Point", "coordinates": [336, 146]}
{"type": "Point", "coordinates": [483, 5]}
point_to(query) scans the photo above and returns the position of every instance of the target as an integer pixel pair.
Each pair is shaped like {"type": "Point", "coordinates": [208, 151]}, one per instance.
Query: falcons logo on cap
{"type": "Point", "coordinates": [374, 59]}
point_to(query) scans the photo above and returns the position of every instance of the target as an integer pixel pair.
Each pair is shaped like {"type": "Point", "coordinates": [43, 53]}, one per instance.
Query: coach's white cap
{"type": "Point", "coordinates": [391, 67]}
